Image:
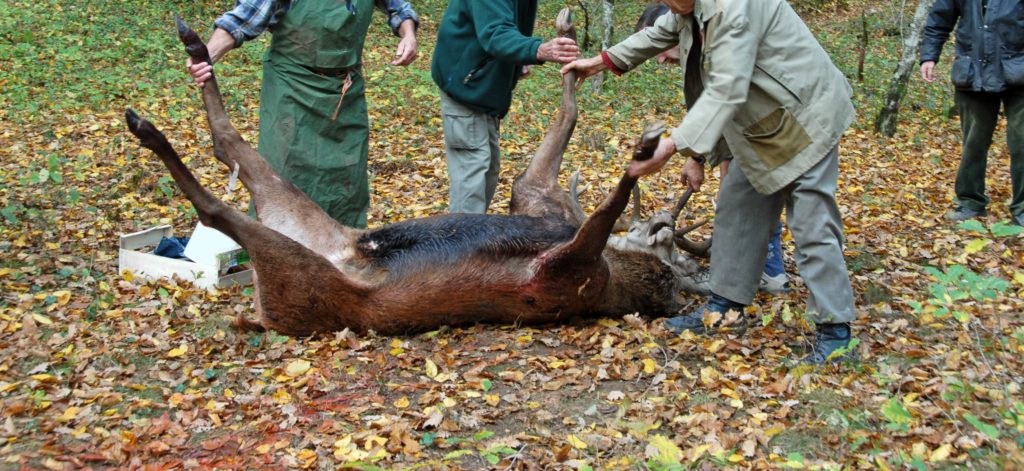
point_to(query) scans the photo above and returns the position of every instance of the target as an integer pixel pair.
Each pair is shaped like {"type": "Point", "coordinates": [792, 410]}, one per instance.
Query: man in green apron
{"type": "Point", "coordinates": [313, 122]}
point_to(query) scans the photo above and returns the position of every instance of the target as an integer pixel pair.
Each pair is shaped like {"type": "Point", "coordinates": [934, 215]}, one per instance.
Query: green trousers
{"type": "Point", "coordinates": [979, 113]}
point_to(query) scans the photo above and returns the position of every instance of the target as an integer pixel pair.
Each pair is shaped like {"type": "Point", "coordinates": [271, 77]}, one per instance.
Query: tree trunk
{"type": "Point", "coordinates": [863, 45]}
{"type": "Point", "coordinates": [607, 28]}
{"type": "Point", "coordinates": [887, 117]}
{"type": "Point", "coordinates": [584, 39]}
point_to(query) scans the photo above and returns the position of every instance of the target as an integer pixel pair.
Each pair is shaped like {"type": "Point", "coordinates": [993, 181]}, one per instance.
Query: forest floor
{"type": "Point", "coordinates": [102, 369]}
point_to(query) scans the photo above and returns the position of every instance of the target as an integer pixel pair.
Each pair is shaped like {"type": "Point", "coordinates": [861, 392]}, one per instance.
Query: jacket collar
{"type": "Point", "coordinates": [703, 10]}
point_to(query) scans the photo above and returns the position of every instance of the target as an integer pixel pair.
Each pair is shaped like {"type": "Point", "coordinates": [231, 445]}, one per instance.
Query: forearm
{"type": "Point", "coordinates": [219, 44]}
{"type": "Point", "coordinates": [407, 28]}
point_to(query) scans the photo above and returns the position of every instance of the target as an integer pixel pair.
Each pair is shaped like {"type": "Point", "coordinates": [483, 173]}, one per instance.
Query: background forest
{"type": "Point", "coordinates": [100, 369]}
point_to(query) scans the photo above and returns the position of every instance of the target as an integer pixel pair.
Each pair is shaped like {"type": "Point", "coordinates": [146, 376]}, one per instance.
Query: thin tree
{"type": "Point", "coordinates": [887, 116]}
{"type": "Point", "coordinates": [607, 29]}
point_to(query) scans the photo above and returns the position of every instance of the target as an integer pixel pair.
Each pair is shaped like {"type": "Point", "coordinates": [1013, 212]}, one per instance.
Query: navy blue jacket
{"type": "Point", "coordinates": [989, 50]}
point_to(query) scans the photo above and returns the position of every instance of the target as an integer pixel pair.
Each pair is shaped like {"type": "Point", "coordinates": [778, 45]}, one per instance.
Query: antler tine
{"type": "Point", "coordinates": [697, 249]}
{"type": "Point", "coordinates": [682, 204]}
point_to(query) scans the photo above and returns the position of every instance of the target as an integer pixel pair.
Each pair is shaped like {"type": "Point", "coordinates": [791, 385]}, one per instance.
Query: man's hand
{"type": "Point", "coordinates": [585, 68]}
{"type": "Point", "coordinates": [407, 47]}
{"type": "Point", "coordinates": [926, 71]}
{"type": "Point", "coordinates": [561, 50]}
{"type": "Point", "coordinates": [219, 44]}
{"type": "Point", "coordinates": [693, 174]}
{"type": "Point", "coordinates": [524, 72]}
{"type": "Point", "coordinates": [200, 72]}
{"type": "Point", "coordinates": [666, 148]}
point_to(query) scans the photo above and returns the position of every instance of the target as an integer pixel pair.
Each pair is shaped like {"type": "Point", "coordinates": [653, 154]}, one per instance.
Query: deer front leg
{"type": "Point", "coordinates": [592, 236]}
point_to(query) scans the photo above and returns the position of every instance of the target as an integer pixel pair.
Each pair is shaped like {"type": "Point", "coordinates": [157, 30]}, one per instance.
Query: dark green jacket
{"type": "Point", "coordinates": [481, 46]}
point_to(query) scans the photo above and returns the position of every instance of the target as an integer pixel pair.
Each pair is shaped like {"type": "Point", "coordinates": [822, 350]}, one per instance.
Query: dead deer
{"type": "Point", "coordinates": [543, 263]}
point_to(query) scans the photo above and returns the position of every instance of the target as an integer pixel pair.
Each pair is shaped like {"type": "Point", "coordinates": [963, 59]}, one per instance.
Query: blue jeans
{"type": "Point", "coordinates": [773, 265]}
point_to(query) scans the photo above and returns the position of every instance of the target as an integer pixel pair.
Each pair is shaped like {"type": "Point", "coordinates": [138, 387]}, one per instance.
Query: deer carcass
{"type": "Point", "coordinates": [544, 262]}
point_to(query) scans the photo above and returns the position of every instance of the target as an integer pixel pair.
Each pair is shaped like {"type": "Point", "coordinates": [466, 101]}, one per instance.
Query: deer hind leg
{"type": "Point", "coordinates": [300, 291]}
{"type": "Point", "coordinates": [536, 191]}
{"type": "Point", "coordinates": [279, 204]}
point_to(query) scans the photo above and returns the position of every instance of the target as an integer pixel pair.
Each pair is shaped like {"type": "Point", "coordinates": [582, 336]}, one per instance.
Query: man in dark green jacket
{"type": "Point", "coordinates": [483, 49]}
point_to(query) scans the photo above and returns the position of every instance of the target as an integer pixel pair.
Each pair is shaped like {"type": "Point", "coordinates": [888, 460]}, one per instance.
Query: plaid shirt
{"type": "Point", "coordinates": [250, 18]}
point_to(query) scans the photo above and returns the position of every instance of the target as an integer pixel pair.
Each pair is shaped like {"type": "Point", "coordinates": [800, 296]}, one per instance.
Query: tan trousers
{"type": "Point", "coordinates": [474, 158]}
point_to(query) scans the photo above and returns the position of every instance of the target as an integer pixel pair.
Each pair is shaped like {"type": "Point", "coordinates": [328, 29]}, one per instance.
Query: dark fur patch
{"type": "Point", "coordinates": [441, 240]}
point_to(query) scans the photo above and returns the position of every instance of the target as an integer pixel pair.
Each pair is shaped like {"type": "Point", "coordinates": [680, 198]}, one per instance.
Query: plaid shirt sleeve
{"type": "Point", "coordinates": [250, 18]}
{"type": "Point", "coordinates": [398, 11]}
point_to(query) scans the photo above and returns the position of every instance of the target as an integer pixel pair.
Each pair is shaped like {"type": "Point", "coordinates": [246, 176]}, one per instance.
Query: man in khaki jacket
{"type": "Point", "coordinates": [773, 93]}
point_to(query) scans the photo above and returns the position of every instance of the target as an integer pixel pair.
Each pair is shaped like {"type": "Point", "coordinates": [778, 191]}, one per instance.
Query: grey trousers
{"type": "Point", "coordinates": [474, 158]}
{"type": "Point", "coordinates": [744, 221]}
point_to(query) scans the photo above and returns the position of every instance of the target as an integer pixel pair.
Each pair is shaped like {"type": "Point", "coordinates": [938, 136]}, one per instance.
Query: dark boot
{"type": "Point", "coordinates": [829, 342]}
{"type": "Point", "coordinates": [694, 321]}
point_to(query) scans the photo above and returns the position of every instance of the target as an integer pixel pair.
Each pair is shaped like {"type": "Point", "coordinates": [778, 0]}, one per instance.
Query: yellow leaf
{"type": "Point", "coordinates": [976, 245]}
{"type": "Point", "coordinates": [263, 449]}
{"type": "Point", "coordinates": [176, 399]}
{"type": "Point", "coordinates": [649, 366]}
{"type": "Point", "coordinates": [402, 402]}
{"type": "Point", "coordinates": [42, 319]}
{"type": "Point", "coordinates": [5, 271]}
{"type": "Point", "coordinates": [492, 399]}
{"type": "Point", "coordinates": [62, 296]}
{"type": "Point", "coordinates": [68, 415]}
{"type": "Point", "coordinates": [282, 397]}
{"type": "Point", "coordinates": [1019, 278]}
{"type": "Point", "coordinates": [941, 453]}
{"type": "Point", "coordinates": [297, 368]}
{"type": "Point", "coordinates": [576, 442]}
{"type": "Point", "coordinates": [431, 369]}
{"type": "Point", "coordinates": [177, 352]}
{"type": "Point", "coordinates": [44, 378]}
{"type": "Point", "coordinates": [664, 450]}
{"type": "Point", "coordinates": [735, 458]}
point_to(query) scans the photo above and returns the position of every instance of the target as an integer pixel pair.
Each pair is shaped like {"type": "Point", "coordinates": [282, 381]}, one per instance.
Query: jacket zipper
{"type": "Point", "coordinates": [476, 69]}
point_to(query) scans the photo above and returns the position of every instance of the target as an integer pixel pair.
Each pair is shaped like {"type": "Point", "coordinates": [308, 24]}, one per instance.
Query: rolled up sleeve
{"type": "Point", "coordinates": [398, 11]}
{"type": "Point", "coordinates": [250, 18]}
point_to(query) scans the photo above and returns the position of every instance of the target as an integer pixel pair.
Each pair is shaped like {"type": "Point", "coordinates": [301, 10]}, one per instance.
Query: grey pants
{"type": "Point", "coordinates": [744, 221]}
{"type": "Point", "coordinates": [474, 158]}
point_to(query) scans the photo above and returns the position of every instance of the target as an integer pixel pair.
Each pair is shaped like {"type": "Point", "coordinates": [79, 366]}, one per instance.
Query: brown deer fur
{"type": "Point", "coordinates": [545, 262]}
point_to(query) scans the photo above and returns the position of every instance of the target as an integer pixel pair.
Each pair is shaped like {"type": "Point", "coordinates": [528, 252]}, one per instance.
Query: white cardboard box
{"type": "Point", "coordinates": [136, 255]}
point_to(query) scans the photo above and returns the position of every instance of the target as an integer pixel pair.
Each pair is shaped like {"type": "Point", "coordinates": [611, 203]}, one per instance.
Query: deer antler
{"type": "Point", "coordinates": [698, 249]}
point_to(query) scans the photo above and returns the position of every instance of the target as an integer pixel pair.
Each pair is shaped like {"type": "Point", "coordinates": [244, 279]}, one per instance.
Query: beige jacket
{"type": "Point", "coordinates": [769, 87]}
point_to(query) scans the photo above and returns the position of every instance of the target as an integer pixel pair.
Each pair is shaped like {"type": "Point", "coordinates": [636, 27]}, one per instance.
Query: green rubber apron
{"type": "Point", "coordinates": [313, 124]}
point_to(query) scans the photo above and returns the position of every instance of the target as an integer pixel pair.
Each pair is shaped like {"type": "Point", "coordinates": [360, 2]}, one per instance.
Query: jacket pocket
{"type": "Point", "coordinates": [777, 138]}
{"type": "Point", "coordinates": [1013, 70]}
{"type": "Point", "coordinates": [962, 72]}
{"type": "Point", "coordinates": [464, 129]}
